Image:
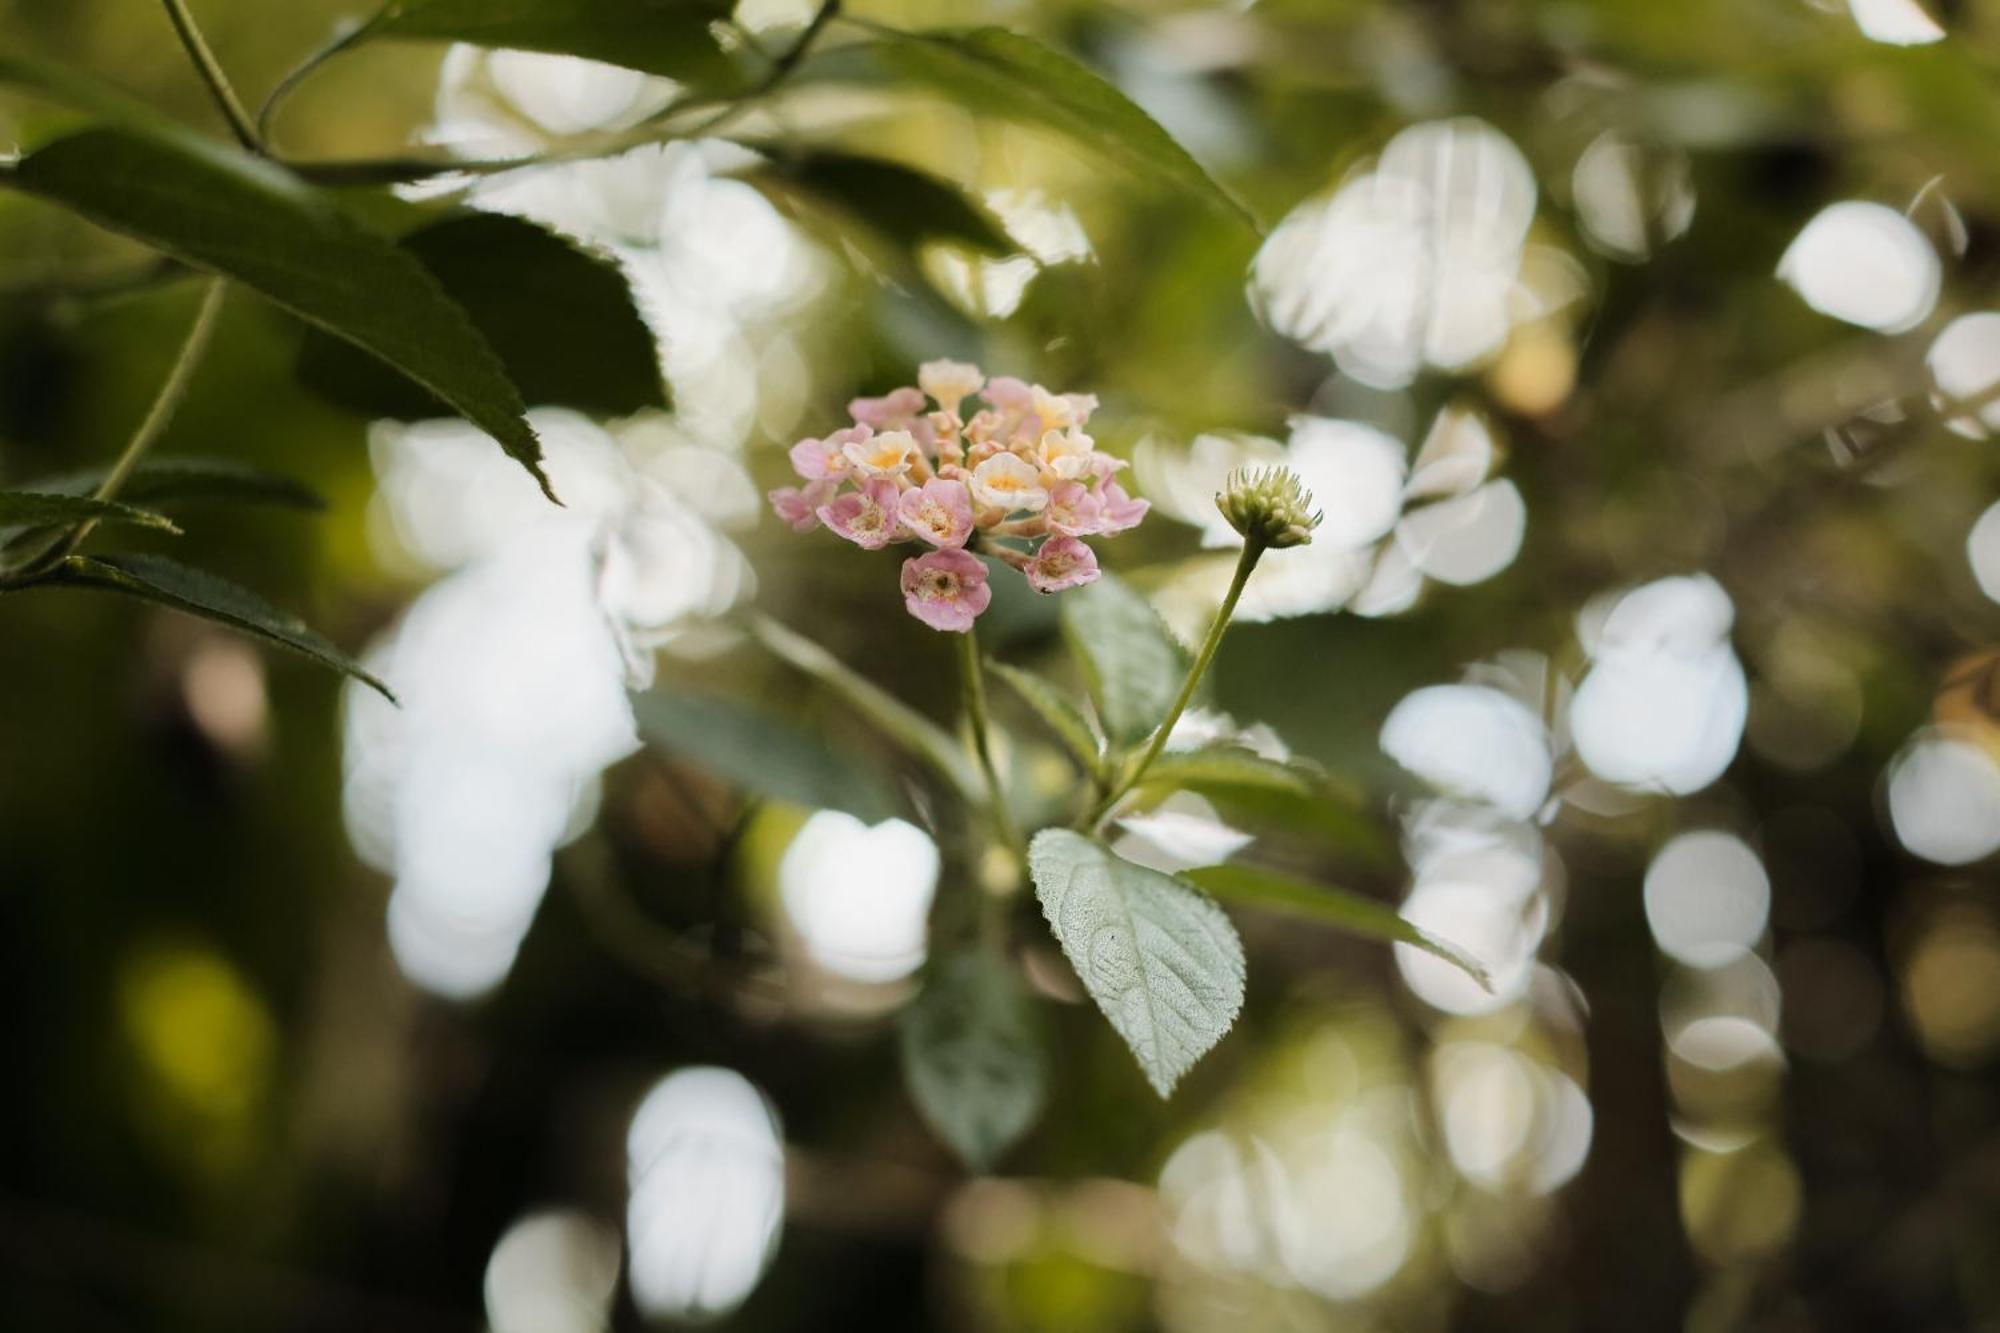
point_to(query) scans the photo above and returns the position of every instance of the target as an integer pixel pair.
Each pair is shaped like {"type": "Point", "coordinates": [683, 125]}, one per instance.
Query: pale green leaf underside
{"type": "Point", "coordinates": [1057, 713]}
{"type": "Point", "coordinates": [1339, 908]}
{"type": "Point", "coordinates": [1131, 662]}
{"type": "Point", "coordinates": [973, 1057]}
{"type": "Point", "coordinates": [154, 579]}
{"type": "Point", "coordinates": [39, 509]}
{"type": "Point", "coordinates": [1159, 958]}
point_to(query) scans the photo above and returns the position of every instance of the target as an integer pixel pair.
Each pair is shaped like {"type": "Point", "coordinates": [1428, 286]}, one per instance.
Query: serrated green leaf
{"type": "Point", "coordinates": [38, 509]}
{"type": "Point", "coordinates": [1061, 716]}
{"type": "Point", "coordinates": [171, 480]}
{"type": "Point", "coordinates": [1344, 910]}
{"type": "Point", "coordinates": [562, 321]}
{"type": "Point", "coordinates": [905, 205]}
{"type": "Point", "coordinates": [666, 37]}
{"type": "Point", "coordinates": [1131, 662]}
{"type": "Point", "coordinates": [1001, 73]}
{"type": "Point", "coordinates": [909, 728]}
{"type": "Point", "coordinates": [973, 1057]}
{"type": "Point", "coordinates": [1159, 958]}
{"type": "Point", "coordinates": [761, 754]}
{"type": "Point", "coordinates": [253, 221]}
{"type": "Point", "coordinates": [154, 579]}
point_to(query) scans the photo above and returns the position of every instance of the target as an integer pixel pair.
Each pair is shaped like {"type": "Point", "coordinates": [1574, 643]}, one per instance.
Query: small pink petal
{"type": "Point", "coordinates": [820, 460]}
{"type": "Point", "coordinates": [866, 517]}
{"type": "Point", "coordinates": [1121, 512]}
{"type": "Point", "coordinates": [798, 507]}
{"type": "Point", "coordinates": [939, 512]}
{"type": "Point", "coordinates": [895, 410]}
{"type": "Point", "coordinates": [946, 589]}
{"type": "Point", "coordinates": [1073, 511]}
{"type": "Point", "coordinates": [1063, 562]}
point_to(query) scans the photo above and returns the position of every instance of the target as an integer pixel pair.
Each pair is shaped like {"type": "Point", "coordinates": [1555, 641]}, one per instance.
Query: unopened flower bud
{"type": "Point", "coordinates": [1269, 506]}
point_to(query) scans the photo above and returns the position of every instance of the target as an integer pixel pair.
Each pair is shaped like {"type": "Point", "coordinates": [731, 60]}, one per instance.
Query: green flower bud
{"type": "Point", "coordinates": [1269, 506]}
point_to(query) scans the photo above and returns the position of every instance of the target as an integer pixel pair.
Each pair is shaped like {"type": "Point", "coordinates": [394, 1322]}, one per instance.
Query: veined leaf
{"type": "Point", "coordinates": [170, 480]}
{"type": "Point", "coordinates": [1255, 792]}
{"type": "Point", "coordinates": [1351, 912]}
{"type": "Point", "coordinates": [904, 204]}
{"type": "Point", "coordinates": [36, 509]}
{"type": "Point", "coordinates": [153, 579]}
{"type": "Point", "coordinates": [1160, 958]}
{"type": "Point", "coordinates": [1061, 716]}
{"type": "Point", "coordinates": [562, 321]}
{"type": "Point", "coordinates": [973, 1057]}
{"type": "Point", "coordinates": [1132, 663]}
{"type": "Point", "coordinates": [760, 754]}
{"type": "Point", "coordinates": [665, 37]}
{"type": "Point", "coordinates": [251, 220]}
{"type": "Point", "coordinates": [998, 72]}
{"type": "Point", "coordinates": [911, 729]}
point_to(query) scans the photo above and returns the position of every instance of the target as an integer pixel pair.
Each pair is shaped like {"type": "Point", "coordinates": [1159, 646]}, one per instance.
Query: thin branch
{"type": "Point", "coordinates": [211, 73]}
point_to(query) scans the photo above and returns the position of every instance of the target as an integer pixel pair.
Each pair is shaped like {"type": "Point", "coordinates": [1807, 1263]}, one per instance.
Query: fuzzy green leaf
{"type": "Point", "coordinates": [1344, 910]}
{"type": "Point", "coordinates": [562, 321]}
{"type": "Point", "coordinates": [253, 221]}
{"type": "Point", "coordinates": [153, 579]}
{"type": "Point", "coordinates": [1131, 662]}
{"type": "Point", "coordinates": [1160, 958]}
{"type": "Point", "coordinates": [973, 1057]}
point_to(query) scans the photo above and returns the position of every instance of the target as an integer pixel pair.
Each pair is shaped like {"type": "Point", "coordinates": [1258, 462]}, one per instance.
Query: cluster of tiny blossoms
{"type": "Point", "coordinates": [1018, 479]}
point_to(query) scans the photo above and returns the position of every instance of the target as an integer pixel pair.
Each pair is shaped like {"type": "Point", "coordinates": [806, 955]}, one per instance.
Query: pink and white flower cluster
{"type": "Point", "coordinates": [1017, 479]}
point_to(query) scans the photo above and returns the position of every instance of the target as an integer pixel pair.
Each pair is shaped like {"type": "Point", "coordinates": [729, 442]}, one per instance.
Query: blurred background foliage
{"type": "Point", "coordinates": [236, 1107]}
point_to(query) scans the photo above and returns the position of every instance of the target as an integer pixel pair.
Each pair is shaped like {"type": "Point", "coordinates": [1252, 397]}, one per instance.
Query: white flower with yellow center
{"type": "Point", "coordinates": [1008, 482]}
{"type": "Point", "coordinates": [950, 382]}
{"type": "Point", "coordinates": [1067, 452]}
{"type": "Point", "coordinates": [1056, 411]}
{"type": "Point", "coordinates": [888, 454]}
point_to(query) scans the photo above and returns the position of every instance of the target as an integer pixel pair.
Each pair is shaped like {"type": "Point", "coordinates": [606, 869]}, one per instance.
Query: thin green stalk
{"type": "Point", "coordinates": [172, 390]}
{"type": "Point", "coordinates": [1253, 550]}
{"type": "Point", "coordinates": [211, 73]}
{"type": "Point", "coordinates": [973, 676]}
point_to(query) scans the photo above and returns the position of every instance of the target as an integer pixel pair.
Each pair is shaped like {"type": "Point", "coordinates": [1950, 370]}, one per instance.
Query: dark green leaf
{"type": "Point", "coordinates": [1132, 663]}
{"type": "Point", "coordinates": [666, 37]}
{"type": "Point", "coordinates": [253, 221]}
{"type": "Point", "coordinates": [154, 579]}
{"type": "Point", "coordinates": [906, 726]}
{"type": "Point", "coordinates": [34, 509]}
{"type": "Point", "coordinates": [1351, 912]}
{"type": "Point", "coordinates": [1160, 959]}
{"type": "Point", "coordinates": [562, 321]}
{"type": "Point", "coordinates": [1000, 73]}
{"type": "Point", "coordinates": [760, 754]}
{"type": "Point", "coordinates": [973, 1057]}
{"type": "Point", "coordinates": [1061, 716]}
{"type": "Point", "coordinates": [905, 205]}
{"type": "Point", "coordinates": [172, 480]}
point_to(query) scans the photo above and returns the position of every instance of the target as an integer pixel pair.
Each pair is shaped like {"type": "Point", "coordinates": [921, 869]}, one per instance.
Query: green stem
{"type": "Point", "coordinates": [974, 679]}
{"type": "Point", "coordinates": [211, 73]}
{"type": "Point", "coordinates": [172, 390]}
{"type": "Point", "coordinates": [1245, 563]}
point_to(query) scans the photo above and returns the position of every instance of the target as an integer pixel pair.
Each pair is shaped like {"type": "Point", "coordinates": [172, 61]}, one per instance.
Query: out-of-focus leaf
{"type": "Point", "coordinates": [1255, 792]}
{"type": "Point", "coordinates": [904, 204]}
{"type": "Point", "coordinates": [1132, 663]}
{"type": "Point", "coordinates": [760, 753]}
{"type": "Point", "coordinates": [36, 509]}
{"type": "Point", "coordinates": [172, 481]}
{"type": "Point", "coordinates": [1061, 716]}
{"type": "Point", "coordinates": [251, 220]}
{"type": "Point", "coordinates": [153, 579]}
{"type": "Point", "coordinates": [666, 37]}
{"type": "Point", "coordinates": [1228, 766]}
{"type": "Point", "coordinates": [911, 729]}
{"type": "Point", "coordinates": [1339, 908]}
{"type": "Point", "coordinates": [1001, 73]}
{"type": "Point", "coordinates": [1160, 958]}
{"type": "Point", "coordinates": [973, 1057]}
{"type": "Point", "coordinates": [562, 321]}
{"type": "Point", "coordinates": [79, 91]}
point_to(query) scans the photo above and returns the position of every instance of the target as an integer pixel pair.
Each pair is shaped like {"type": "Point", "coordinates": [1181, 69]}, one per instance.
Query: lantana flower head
{"type": "Point", "coordinates": [965, 464]}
